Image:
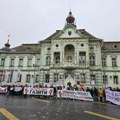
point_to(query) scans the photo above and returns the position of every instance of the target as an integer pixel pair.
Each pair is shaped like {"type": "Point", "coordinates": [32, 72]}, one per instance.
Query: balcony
{"type": "Point", "coordinates": [68, 65]}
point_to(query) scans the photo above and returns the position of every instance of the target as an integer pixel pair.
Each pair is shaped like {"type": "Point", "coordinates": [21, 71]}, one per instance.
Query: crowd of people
{"type": "Point", "coordinates": [98, 94]}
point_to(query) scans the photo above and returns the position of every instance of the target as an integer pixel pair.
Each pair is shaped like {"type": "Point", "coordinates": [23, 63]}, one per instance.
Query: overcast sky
{"type": "Point", "coordinates": [29, 21]}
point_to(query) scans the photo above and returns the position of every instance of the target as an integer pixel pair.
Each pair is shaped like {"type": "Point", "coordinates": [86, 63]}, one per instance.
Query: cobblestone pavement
{"type": "Point", "coordinates": [20, 108]}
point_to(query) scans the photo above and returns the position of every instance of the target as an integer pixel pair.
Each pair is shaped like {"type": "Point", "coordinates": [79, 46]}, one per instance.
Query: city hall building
{"type": "Point", "coordinates": [68, 55]}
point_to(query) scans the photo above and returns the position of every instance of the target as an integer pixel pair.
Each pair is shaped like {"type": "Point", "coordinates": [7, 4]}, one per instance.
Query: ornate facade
{"type": "Point", "coordinates": [68, 55]}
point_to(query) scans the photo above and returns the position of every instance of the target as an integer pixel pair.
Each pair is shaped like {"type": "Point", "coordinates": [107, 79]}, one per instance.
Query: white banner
{"type": "Point", "coordinates": [38, 91]}
{"type": "Point", "coordinates": [112, 96]}
{"type": "Point", "coordinates": [3, 89]}
{"type": "Point", "coordinates": [80, 95]}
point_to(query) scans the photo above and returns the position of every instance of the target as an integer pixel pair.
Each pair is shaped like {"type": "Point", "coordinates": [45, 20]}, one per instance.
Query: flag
{"type": "Point", "coordinates": [81, 59]}
{"type": "Point", "coordinates": [3, 75]}
{"type": "Point", "coordinates": [11, 75]}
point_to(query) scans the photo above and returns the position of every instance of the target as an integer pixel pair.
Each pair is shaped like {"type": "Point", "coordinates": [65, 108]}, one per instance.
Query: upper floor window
{"type": "Point", "coordinates": [105, 79]}
{"type": "Point", "coordinates": [92, 60]}
{"type": "Point", "coordinates": [38, 62]}
{"type": "Point", "coordinates": [3, 62]}
{"type": "Point", "coordinates": [57, 59]}
{"type": "Point", "coordinates": [115, 79]}
{"type": "Point", "coordinates": [48, 60]}
{"type": "Point", "coordinates": [69, 59]}
{"type": "Point", "coordinates": [12, 62]}
{"type": "Point", "coordinates": [48, 49]}
{"type": "Point", "coordinates": [29, 62]}
{"type": "Point", "coordinates": [20, 62]}
{"type": "Point", "coordinates": [114, 62]}
{"type": "Point", "coordinates": [103, 61]}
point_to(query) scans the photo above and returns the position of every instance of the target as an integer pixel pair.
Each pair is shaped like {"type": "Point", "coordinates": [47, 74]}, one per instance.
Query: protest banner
{"type": "Point", "coordinates": [112, 96]}
{"type": "Point", "coordinates": [38, 91]}
{"type": "Point", "coordinates": [3, 89]}
{"type": "Point", "coordinates": [79, 95]}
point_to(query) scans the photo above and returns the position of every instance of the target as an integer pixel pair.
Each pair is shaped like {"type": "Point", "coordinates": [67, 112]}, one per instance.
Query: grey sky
{"type": "Point", "coordinates": [29, 21]}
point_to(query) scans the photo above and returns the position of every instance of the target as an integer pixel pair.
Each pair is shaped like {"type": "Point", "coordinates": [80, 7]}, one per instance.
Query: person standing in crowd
{"type": "Point", "coordinates": [95, 94]}
{"type": "Point", "coordinates": [8, 90]}
{"type": "Point", "coordinates": [100, 94]}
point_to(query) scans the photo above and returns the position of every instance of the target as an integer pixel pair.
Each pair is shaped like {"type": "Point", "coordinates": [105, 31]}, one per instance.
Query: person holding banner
{"type": "Point", "coordinates": [100, 94]}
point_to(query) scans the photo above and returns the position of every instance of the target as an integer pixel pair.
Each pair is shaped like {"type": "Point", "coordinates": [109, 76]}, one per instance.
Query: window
{"type": "Point", "coordinates": [105, 79]}
{"type": "Point", "coordinates": [47, 77]}
{"type": "Point", "coordinates": [55, 77]}
{"type": "Point", "coordinates": [20, 62]}
{"type": "Point", "coordinates": [93, 79]}
{"type": "Point", "coordinates": [103, 61]}
{"type": "Point", "coordinates": [2, 61]}
{"type": "Point", "coordinates": [37, 79]}
{"type": "Point", "coordinates": [48, 60]}
{"type": "Point", "coordinates": [12, 62]}
{"type": "Point", "coordinates": [38, 62]}
{"type": "Point", "coordinates": [92, 60]}
{"type": "Point", "coordinates": [28, 78]}
{"type": "Point", "coordinates": [114, 62]}
{"type": "Point", "coordinates": [29, 62]}
{"type": "Point", "coordinates": [82, 45]}
{"type": "Point", "coordinates": [69, 33]}
{"type": "Point", "coordinates": [82, 57]}
{"type": "Point", "coordinates": [69, 59]}
{"type": "Point", "coordinates": [57, 59]}
{"type": "Point", "coordinates": [115, 79]}
{"type": "Point", "coordinates": [48, 49]}
{"type": "Point", "coordinates": [19, 78]}
{"type": "Point", "coordinates": [57, 45]}
{"type": "Point", "coordinates": [83, 78]}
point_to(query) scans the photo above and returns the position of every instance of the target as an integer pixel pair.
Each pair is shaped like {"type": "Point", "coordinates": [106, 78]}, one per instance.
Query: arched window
{"type": "Point", "coordinates": [92, 60]}
{"type": "Point", "coordinates": [57, 59]}
{"type": "Point", "coordinates": [48, 60]}
{"type": "Point", "coordinates": [69, 59]}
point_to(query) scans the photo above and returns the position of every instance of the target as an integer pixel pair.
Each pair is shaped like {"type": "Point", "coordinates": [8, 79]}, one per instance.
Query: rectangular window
{"type": "Point", "coordinates": [37, 79]}
{"type": "Point", "coordinates": [114, 62]}
{"type": "Point", "coordinates": [29, 62]}
{"type": "Point", "coordinates": [55, 77]}
{"type": "Point", "coordinates": [12, 62]}
{"type": "Point", "coordinates": [105, 79]}
{"type": "Point", "coordinates": [92, 60]}
{"type": "Point", "coordinates": [93, 79]}
{"type": "Point", "coordinates": [3, 62]}
{"type": "Point", "coordinates": [20, 62]}
{"type": "Point", "coordinates": [115, 79]}
{"type": "Point", "coordinates": [103, 61]}
{"type": "Point", "coordinates": [20, 78]}
{"type": "Point", "coordinates": [28, 78]}
{"type": "Point", "coordinates": [47, 77]}
{"type": "Point", "coordinates": [38, 62]}
{"type": "Point", "coordinates": [82, 58]}
{"type": "Point", "coordinates": [83, 78]}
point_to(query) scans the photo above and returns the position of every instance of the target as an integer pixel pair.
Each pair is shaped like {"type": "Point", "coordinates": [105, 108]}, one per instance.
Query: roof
{"type": "Point", "coordinates": [83, 31]}
{"type": "Point", "coordinates": [26, 48]}
{"type": "Point", "coordinates": [111, 46]}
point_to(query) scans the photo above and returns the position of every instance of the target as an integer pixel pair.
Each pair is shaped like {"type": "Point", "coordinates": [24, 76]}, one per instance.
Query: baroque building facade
{"type": "Point", "coordinates": [68, 55]}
